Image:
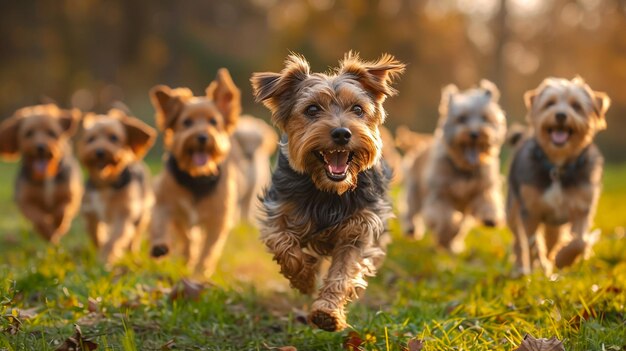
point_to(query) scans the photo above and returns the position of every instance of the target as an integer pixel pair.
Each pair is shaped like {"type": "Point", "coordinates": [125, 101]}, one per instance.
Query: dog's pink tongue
{"type": "Point", "coordinates": [40, 166]}
{"type": "Point", "coordinates": [338, 162]}
{"type": "Point", "coordinates": [200, 158]}
{"type": "Point", "coordinates": [559, 136]}
{"type": "Point", "coordinates": [471, 155]}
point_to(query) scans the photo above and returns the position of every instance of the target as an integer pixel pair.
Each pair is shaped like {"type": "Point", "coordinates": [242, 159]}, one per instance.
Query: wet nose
{"type": "Point", "coordinates": [100, 153]}
{"type": "Point", "coordinates": [202, 138]}
{"type": "Point", "coordinates": [341, 136]}
{"type": "Point", "coordinates": [41, 148]}
{"type": "Point", "coordinates": [560, 117]}
{"type": "Point", "coordinates": [474, 135]}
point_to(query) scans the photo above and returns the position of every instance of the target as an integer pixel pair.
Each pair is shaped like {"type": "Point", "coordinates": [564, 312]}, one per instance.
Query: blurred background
{"type": "Point", "coordinates": [89, 53]}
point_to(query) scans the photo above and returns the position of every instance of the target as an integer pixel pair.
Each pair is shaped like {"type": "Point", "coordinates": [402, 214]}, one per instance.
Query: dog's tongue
{"type": "Point", "coordinates": [200, 158]}
{"type": "Point", "coordinates": [40, 166]}
{"type": "Point", "coordinates": [337, 162]}
{"type": "Point", "coordinates": [559, 136]}
{"type": "Point", "coordinates": [472, 155]}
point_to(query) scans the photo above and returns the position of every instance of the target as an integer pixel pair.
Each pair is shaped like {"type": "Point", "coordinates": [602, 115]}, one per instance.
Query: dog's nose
{"type": "Point", "coordinates": [99, 153]}
{"type": "Point", "coordinates": [560, 117]}
{"type": "Point", "coordinates": [474, 135]}
{"type": "Point", "coordinates": [341, 135]}
{"type": "Point", "coordinates": [41, 148]}
{"type": "Point", "coordinates": [202, 138]}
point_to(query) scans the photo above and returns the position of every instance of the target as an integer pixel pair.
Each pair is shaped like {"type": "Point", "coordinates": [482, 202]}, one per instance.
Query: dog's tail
{"type": "Point", "coordinates": [408, 140]}
{"type": "Point", "coordinates": [254, 134]}
{"type": "Point", "coordinates": [516, 133]}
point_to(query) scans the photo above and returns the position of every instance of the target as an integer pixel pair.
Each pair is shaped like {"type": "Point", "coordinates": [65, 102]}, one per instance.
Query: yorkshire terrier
{"type": "Point", "coordinates": [48, 187]}
{"type": "Point", "coordinates": [555, 175]}
{"type": "Point", "coordinates": [455, 179]}
{"type": "Point", "coordinates": [328, 195]}
{"type": "Point", "coordinates": [118, 192]}
{"type": "Point", "coordinates": [206, 175]}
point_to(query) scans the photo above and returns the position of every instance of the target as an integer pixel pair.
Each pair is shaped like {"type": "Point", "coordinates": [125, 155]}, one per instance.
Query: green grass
{"type": "Point", "coordinates": [467, 302]}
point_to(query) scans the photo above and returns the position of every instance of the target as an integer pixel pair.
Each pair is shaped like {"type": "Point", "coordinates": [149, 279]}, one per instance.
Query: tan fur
{"type": "Point", "coordinates": [391, 155]}
{"type": "Point", "coordinates": [199, 227]}
{"type": "Point", "coordinates": [452, 179]}
{"type": "Point", "coordinates": [112, 147]}
{"type": "Point", "coordinates": [551, 222]}
{"type": "Point", "coordinates": [48, 189]}
{"type": "Point", "coordinates": [308, 107]}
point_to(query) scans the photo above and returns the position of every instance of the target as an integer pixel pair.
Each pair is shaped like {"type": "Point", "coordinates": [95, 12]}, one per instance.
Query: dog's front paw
{"type": "Point", "coordinates": [159, 250]}
{"type": "Point", "coordinates": [327, 317]}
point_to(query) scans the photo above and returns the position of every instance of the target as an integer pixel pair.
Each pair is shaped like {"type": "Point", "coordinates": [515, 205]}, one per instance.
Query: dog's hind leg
{"type": "Point", "coordinates": [413, 223]}
{"type": "Point", "coordinates": [445, 222]}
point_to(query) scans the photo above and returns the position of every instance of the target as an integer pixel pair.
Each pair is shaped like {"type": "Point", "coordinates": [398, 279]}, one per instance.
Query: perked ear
{"type": "Point", "coordinates": [69, 120]}
{"type": "Point", "coordinates": [490, 89]}
{"type": "Point", "coordinates": [447, 97]}
{"type": "Point", "coordinates": [227, 98]}
{"type": "Point", "coordinates": [167, 105]}
{"type": "Point", "coordinates": [273, 88]}
{"type": "Point", "coordinates": [376, 77]}
{"type": "Point", "coordinates": [601, 104]}
{"type": "Point", "coordinates": [9, 142]}
{"type": "Point", "coordinates": [529, 98]}
{"type": "Point", "coordinates": [139, 136]}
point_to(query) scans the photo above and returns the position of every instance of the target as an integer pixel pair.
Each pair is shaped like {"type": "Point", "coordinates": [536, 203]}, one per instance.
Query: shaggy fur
{"type": "Point", "coordinates": [555, 175]}
{"type": "Point", "coordinates": [118, 192]}
{"type": "Point", "coordinates": [455, 179]}
{"type": "Point", "coordinates": [328, 196]}
{"type": "Point", "coordinates": [206, 178]}
{"type": "Point", "coordinates": [48, 188]}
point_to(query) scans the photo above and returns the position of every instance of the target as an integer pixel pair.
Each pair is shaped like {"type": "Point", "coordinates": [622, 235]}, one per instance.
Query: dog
{"type": "Point", "coordinates": [454, 179]}
{"type": "Point", "coordinates": [328, 194]}
{"type": "Point", "coordinates": [555, 174]}
{"type": "Point", "coordinates": [118, 192]}
{"type": "Point", "coordinates": [207, 170]}
{"type": "Point", "coordinates": [48, 187]}
{"type": "Point", "coordinates": [392, 156]}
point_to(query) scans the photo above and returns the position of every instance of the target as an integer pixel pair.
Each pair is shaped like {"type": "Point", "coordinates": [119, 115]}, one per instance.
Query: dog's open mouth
{"type": "Point", "coordinates": [200, 158]}
{"type": "Point", "coordinates": [560, 135]}
{"type": "Point", "coordinates": [336, 163]}
{"type": "Point", "coordinates": [40, 165]}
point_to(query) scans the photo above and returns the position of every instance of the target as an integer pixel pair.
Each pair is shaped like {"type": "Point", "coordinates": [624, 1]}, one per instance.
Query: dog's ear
{"type": "Point", "coordinates": [167, 104]}
{"type": "Point", "coordinates": [491, 90]}
{"type": "Point", "coordinates": [275, 89]}
{"type": "Point", "coordinates": [447, 97]}
{"type": "Point", "coordinates": [227, 98]}
{"type": "Point", "coordinates": [69, 120]}
{"type": "Point", "coordinates": [9, 142]}
{"type": "Point", "coordinates": [88, 120]}
{"type": "Point", "coordinates": [601, 104]}
{"type": "Point", "coordinates": [376, 77]}
{"type": "Point", "coordinates": [139, 136]}
{"type": "Point", "coordinates": [529, 98]}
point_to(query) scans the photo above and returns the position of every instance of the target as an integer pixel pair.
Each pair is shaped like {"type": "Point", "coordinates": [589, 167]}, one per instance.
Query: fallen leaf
{"type": "Point", "coordinates": [531, 344]}
{"type": "Point", "coordinates": [76, 342]}
{"type": "Point", "coordinates": [187, 290]}
{"type": "Point", "coordinates": [169, 345]}
{"type": "Point", "coordinates": [93, 305]}
{"type": "Point", "coordinates": [353, 341]}
{"type": "Point", "coordinates": [281, 348]}
{"type": "Point", "coordinates": [415, 344]}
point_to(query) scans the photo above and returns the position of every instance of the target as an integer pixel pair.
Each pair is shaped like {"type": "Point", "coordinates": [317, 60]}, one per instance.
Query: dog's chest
{"type": "Point", "coordinates": [557, 204]}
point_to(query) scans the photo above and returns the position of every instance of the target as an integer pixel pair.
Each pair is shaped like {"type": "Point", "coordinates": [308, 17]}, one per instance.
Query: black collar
{"type": "Point", "coordinates": [62, 175]}
{"type": "Point", "coordinates": [122, 181]}
{"type": "Point", "coordinates": [199, 186]}
{"type": "Point", "coordinates": [558, 173]}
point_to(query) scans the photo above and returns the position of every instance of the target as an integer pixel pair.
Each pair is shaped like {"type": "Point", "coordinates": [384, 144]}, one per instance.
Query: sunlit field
{"type": "Point", "coordinates": [466, 302]}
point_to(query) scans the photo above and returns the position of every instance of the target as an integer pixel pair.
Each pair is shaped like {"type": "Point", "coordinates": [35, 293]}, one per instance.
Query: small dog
{"type": "Point", "coordinates": [329, 190]}
{"type": "Point", "coordinates": [555, 175]}
{"type": "Point", "coordinates": [48, 187]}
{"type": "Point", "coordinates": [118, 193]}
{"type": "Point", "coordinates": [456, 178]}
{"type": "Point", "coordinates": [207, 171]}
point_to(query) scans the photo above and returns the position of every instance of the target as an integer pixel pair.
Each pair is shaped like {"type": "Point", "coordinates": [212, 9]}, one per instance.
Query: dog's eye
{"type": "Point", "coordinates": [113, 138]}
{"type": "Point", "coordinates": [29, 133]}
{"type": "Point", "coordinates": [576, 106]}
{"type": "Point", "coordinates": [91, 139]}
{"type": "Point", "coordinates": [485, 118]}
{"type": "Point", "coordinates": [188, 122]}
{"type": "Point", "coordinates": [549, 104]}
{"type": "Point", "coordinates": [312, 110]}
{"type": "Point", "coordinates": [461, 119]}
{"type": "Point", "coordinates": [51, 133]}
{"type": "Point", "coordinates": [213, 121]}
{"type": "Point", "coordinates": [358, 110]}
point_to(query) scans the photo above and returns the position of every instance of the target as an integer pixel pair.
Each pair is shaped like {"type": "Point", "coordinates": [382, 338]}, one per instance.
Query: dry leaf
{"type": "Point", "coordinates": [76, 342]}
{"type": "Point", "coordinates": [187, 290]}
{"type": "Point", "coordinates": [282, 348]}
{"type": "Point", "coordinates": [532, 344]}
{"type": "Point", "coordinates": [353, 341]}
{"type": "Point", "coordinates": [415, 344]}
{"type": "Point", "coordinates": [169, 345]}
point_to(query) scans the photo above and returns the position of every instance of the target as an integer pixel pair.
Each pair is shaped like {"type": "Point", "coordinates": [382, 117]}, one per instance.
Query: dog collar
{"type": "Point", "coordinates": [199, 186]}
{"type": "Point", "coordinates": [122, 180]}
{"type": "Point", "coordinates": [557, 173]}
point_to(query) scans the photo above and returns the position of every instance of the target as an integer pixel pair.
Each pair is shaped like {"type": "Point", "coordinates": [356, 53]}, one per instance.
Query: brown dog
{"type": "Point", "coordinates": [48, 187]}
{"type": "Point", "coordinates": [456, 178]}
{"type": "Point", "coordinates": [118, 193]}
{"type": "Point", "coordinates": [329, 191]}
{"type": "Point", "coordinates": [555, 175]}
{"type": "Point", "coordinates": [206, 175]}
